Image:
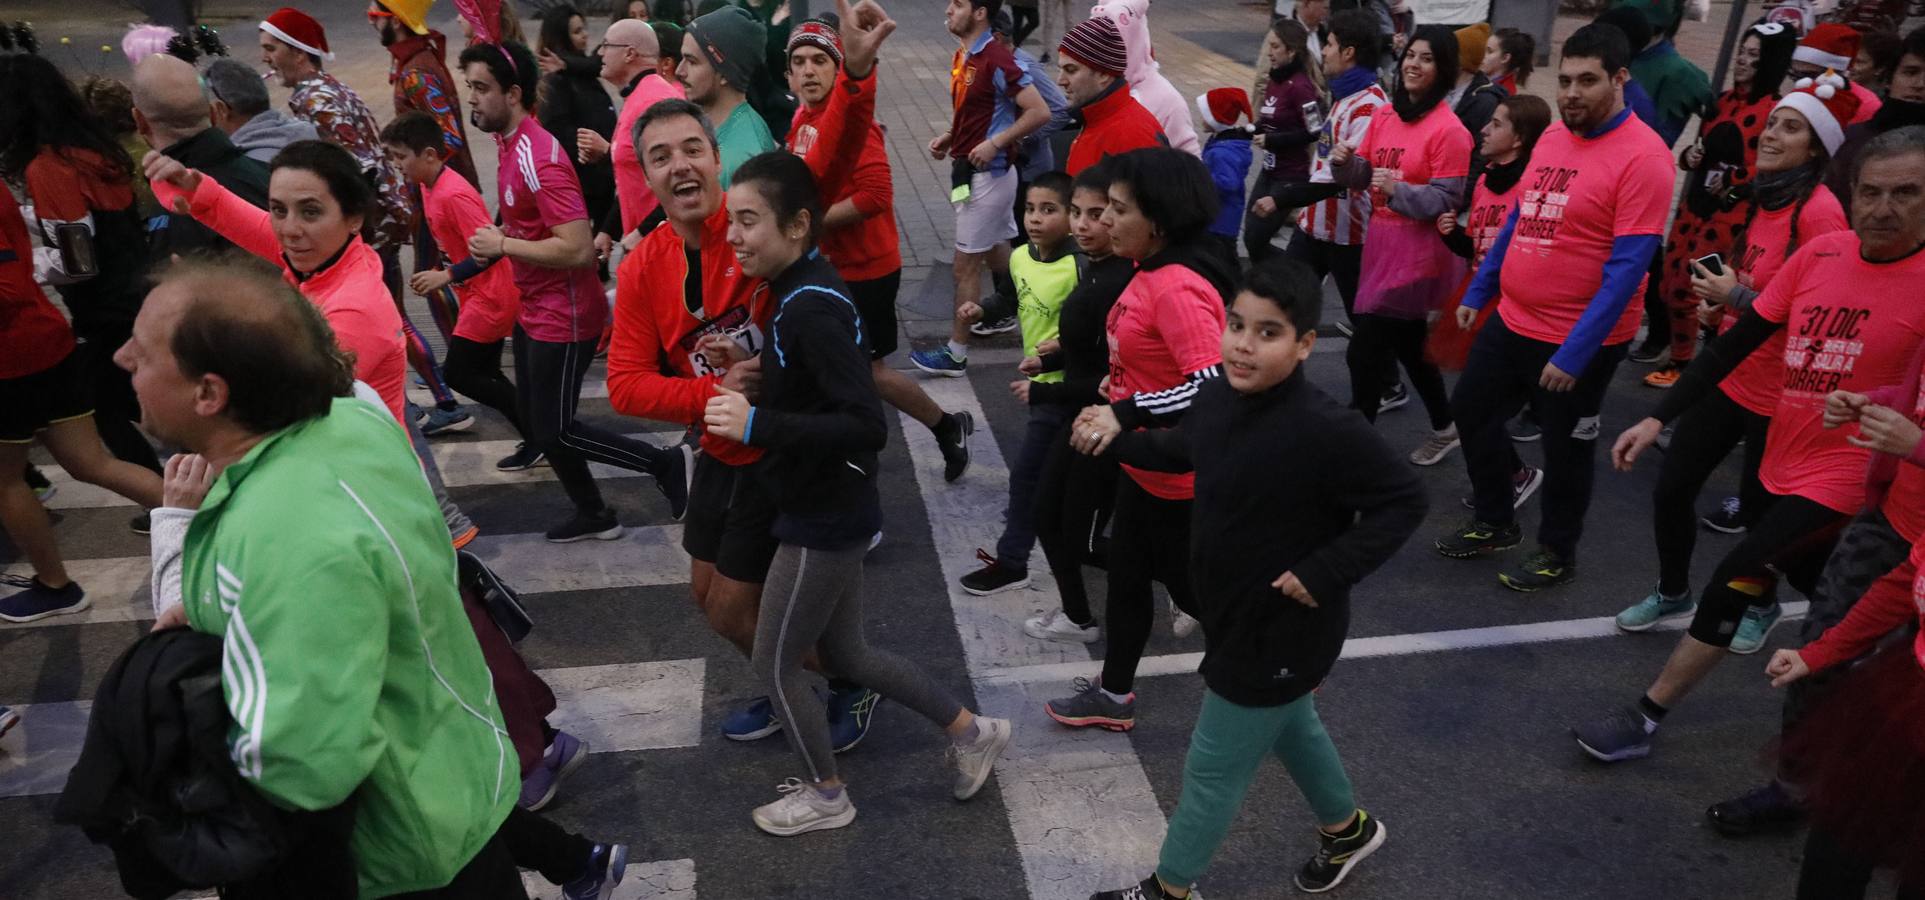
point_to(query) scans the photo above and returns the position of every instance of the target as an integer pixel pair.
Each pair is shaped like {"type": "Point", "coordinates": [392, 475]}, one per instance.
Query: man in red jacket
{"type": "Point", "coordinates": [1092, 66]}
{"type": "Point", "coordinates": [836, 124]}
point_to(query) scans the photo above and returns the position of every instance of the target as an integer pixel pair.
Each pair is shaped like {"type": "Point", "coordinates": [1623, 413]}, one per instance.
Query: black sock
{"type": "Point", "coordinates": [1651, 709]}
{"type": "Point", "coordinates": [944, 427]}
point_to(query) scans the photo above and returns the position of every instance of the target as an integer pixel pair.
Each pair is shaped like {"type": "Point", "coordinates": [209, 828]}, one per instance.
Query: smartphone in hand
{"type": "Point", "coordinates": [1712, 263]}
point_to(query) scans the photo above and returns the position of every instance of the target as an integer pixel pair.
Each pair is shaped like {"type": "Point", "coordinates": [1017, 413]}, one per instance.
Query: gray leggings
{"type": "Point", "coordinates": [813, 598]}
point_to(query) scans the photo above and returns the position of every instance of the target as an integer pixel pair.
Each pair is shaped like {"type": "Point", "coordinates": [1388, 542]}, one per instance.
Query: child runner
{"type": "Point", "coordinates": [1046, 270]}
{"type": "Point", "coordinates": [1227, 153]}
{"type": "Point", "coordinates": [1264, 654]}
{"type": "Point", "coordinates": [1075, 492]}
{"type": "Point", "coordinates": [487, 300]}
{"type": "Point", "coordinates": [820, 418]}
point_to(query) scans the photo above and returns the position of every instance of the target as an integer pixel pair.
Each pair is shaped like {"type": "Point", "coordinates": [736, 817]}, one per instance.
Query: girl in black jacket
{"type": "Point", "coordinates": [818, 415]}
{"type": "Point", "coordinates": [572, 97]}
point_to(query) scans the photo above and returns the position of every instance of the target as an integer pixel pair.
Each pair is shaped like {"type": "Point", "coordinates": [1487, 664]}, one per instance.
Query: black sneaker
{"type": "Point", "coordinates": [952, 438]}
{"type": "Point", "coordinates": [1524, 430]}
{"type": "Point", "coordinates": [524, 457]}
{"type": "Point", "coordinates": [1726, 519]}
{"type": "Point", "coordinates": [1336, 856]}
{"type": "Point", "coordinates": [1768, 809]}
{"type": "Point", "coordinates": [1479, 538]}
{"type": "Point", "coordinates": [582, 526]}
{"type": "Point", "coordinates": [1543, 570]}
{"type": "Point", "coordinates": [1648, 352]}
{"type": "Point", "coordinates": [989, 327]}
{"type": "Point", "coordinates": [675, 482]}
{"type": "Point", "coordinates": [993, 577]}
{"type": "Point", "coordinates": [1395, 398]}
{"type": "Point", "coordinates": [141, 524]}
{"type": "Point", "coordinates": [1344, 329]}
{"type": "Point", "coordinates": [1147, 889]}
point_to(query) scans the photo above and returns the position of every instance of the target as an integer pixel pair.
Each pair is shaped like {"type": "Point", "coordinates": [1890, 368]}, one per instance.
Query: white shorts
{"type": "Point", "coordinates": [988, 217]}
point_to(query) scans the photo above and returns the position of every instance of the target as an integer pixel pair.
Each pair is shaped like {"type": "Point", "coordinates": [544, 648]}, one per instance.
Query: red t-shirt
{"type": "Point", "coordinates": [539, 191]}
{"type": "Point", "coordinates": [829, 137]}
{"type": "Point", "coordinates": [33, 334]}
{"type": "Point", "coordinates": [489, 301]}
{"type": "Point", "coordinates": [1891, 601]}
{"type": "Point", "coordinates": [1850, 325]}
{"type": "Point", "coordinates": [1579, 195]}
{"type": "Point", "coordinates": [655, 329]}
{"type": "Point", "coordinates": [1167, 325]}
{"type": "Point", "coordinates": [1435, 146]}
{"type": "Point", "coordinates": [1754, 384]}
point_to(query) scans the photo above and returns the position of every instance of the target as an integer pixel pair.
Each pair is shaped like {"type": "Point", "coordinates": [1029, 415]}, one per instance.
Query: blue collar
{"type": "Point", "coordinates": [1352, 80]}
{"type": "Point", "coordinates": [1609, 126]}
{"type": "Point", "coordinates": [976, 46]}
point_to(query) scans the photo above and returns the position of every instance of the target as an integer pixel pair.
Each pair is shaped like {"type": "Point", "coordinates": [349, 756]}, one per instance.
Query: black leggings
{"type": "Point", "coordinates": [1379, 344]}
{"type": "Point", "coordinates": [1149, 541]}
{"type": "Point", "coordinates": [1792, 536]}
{"type": "Point", "coordinates": [548, 378]}
{"type": "Point", "coordinates": [1073, 500]}
{"type": "Point", "coordinates": [1832, 872]}
{"type": "Point", "coordinates": [474, 369]}
{"type": "Point", "coordinates": [1342, 262]}
{"type": "Point", "coordinates": [1704, 436]}
{"type": "Point", "coordinates": [1259, 231]}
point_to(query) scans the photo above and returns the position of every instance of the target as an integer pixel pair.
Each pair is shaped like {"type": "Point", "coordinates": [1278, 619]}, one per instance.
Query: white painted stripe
{"type": "Point", "coordinates": [666, 879]}
{"type": "Point", "coordinates": [644, 556]}
{"type": "Point", "coordinates": [1080, 805]}
{"type": "Point", "coordinates": [618, 708]}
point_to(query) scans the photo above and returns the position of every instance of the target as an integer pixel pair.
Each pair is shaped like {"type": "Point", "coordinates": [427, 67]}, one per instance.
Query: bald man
{"type": "Point", "coordinates": [171, 114]}
{"type": "Point", "coordinates": [630, 53]}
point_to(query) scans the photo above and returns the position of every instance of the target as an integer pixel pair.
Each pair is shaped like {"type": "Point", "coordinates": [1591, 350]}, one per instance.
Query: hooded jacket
{"type": "Point", "coordinates": [1228, 156]}
{"type": "Point", "coordinates": [1148, 85]}
{"type": "Point", "coordinates": [264, 135]}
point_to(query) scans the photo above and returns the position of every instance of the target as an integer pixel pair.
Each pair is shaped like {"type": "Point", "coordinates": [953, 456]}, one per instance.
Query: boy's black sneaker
{"type": "Point", "coordinates": [1397, 397]}
{"type": "Point", "coordinates": [1768, 809]}
{"type": "Point", "coordinates": [1648, 352]}
{"type": "Point", "coordinates": [1544, 569]}
{"type": "Point", "coordinates": [1479, 538]}
{"type": "Point", "coordinates": [952, 438]}
{"type": "Point", "coordinates": [1336, 856]}
{"type": "Point", "coordinates": [524, 457]}
{"type": "Point", "coordinates": [1147, 889]}
{"type": "Point", "coordinates": [994, 577]}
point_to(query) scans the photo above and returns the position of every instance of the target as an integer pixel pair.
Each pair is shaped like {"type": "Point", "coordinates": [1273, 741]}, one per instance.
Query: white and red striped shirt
{"type": "Point", "coordinates": [1341, 219]}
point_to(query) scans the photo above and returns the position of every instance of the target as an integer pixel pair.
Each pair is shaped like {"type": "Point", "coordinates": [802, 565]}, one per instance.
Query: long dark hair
{"type": "Point", "coordinates": [1521, 47]}
{"type": "Point", "coordinates": [1443, 51]}
{"type": "Point", "coordinates": [1774, 60]}
{"type": "Point", "coordinates": [554, 30]}
{"type": "Point", "coordinates": [44, 110]}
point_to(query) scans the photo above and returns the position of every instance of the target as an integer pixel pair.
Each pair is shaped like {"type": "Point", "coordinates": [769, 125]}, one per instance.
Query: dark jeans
{"type": "Point", "coordinates": [1019, 518]}
{"type": "Point", "coordinates": [116, 410]}
{"type": "Point", "coordinates": [1791, 537]}
{"type": "Point", "coordinates": [1341, 262]}
{"type": "Point", "coordinates": [1500, 377]}
{"type": "Point", "coordinates": [1832, 872]}
{"type": "Point", "coordinates": [1378, 345]}
{"type": "Point", "coordinates": [1149, 541]}
{"type": "Point", "coordinates": [475, 370]}
{"type": "Point", "coordinates": [1073, 501]}
{"type": "Point", "coordinates": [1706, 433]}
{"type": "Point", "coordinates": [548, 377]}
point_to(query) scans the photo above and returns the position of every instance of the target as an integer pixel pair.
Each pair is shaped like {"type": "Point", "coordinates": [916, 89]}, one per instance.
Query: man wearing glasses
{"type": "Point", "coordinates": [629, 53]}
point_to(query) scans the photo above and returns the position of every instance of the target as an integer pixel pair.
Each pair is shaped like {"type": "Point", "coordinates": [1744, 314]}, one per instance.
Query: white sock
{"type": "Point", "coordinates": [959, 351]}
{"type": "Point", "coordinates": [1120, 698]}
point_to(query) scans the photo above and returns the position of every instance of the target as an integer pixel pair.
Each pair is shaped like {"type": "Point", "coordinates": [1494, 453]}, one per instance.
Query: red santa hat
{"type": "Point", "coordinates": [1223, 107]}
{"type": "Point", "coordinates": [297, 29]}
{"type": "Point", "coordinates": [1827, 104]}
{"type": "Point", "coordinates": [1830, 44]}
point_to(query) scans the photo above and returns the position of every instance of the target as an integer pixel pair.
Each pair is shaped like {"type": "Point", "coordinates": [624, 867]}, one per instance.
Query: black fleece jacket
{"type": "Point", "coordinates": [818, 413]}
{"type": "Point", "coordinates": [1287, 480]}
{"type": "Point", "coordinates": [1085, 355]}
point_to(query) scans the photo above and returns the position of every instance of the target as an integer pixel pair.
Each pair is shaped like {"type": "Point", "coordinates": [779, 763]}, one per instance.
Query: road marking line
{"type": "Point", "coordinates": [665, 879]}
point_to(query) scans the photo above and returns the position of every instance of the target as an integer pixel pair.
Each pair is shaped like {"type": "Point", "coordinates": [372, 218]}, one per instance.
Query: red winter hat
{"type": "Point", "coordinates": [1096, 43]}
{"type": "Point", "coordinates": [1224, 107]}
{"type": "Point", "coordinates": [818, 34]}
{"type": "Point", "coordinates": [1827, 104]}
{"type": "Point", "coordinates": [297, 29]}
{"type": "Point", "coordinates": [1831, 45]}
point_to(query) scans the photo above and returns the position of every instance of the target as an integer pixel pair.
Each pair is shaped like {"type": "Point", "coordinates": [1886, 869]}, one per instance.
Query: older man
{"type": "Point", "coordinates": [237, 103]}
{"type": "Point", "coordinates": [171, 112]}
{"type": "Point", "coordinates": [630, 56]}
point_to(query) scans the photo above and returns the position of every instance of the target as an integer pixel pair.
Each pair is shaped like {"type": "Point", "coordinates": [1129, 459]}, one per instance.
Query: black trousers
{"type": "Point", "coordinates": [1792, 536]}
{"type": "Point", "coordinates": [1705, 435]}
{"type": "Point", "coordinates": [1378, 345]}
{"type": "Point", "coordinates": [116, 410]}
{"type": "Point", "coordinates": [1502, 376]}
{"type": "Point", "coordinates": [1259, 231]}
{"type": "Point", "coordinates": [548, 377]}
{"type": "Point", "coordinates": [535, 842]}
{"type": "Point", "coordinates": [1340, 262]}
{"type": "Point", "coordinates": [1149, 541]}
{"type": "Point", "coordinates": [1073, 502]}
{"type": "Point", "coordinates": [320, 865]}
{"type": "Point", "coordinates": [1024, 20]}
{"type": "Point", "coordinates": [1832, 872]}
{"type": "Point", "coordinates": [474, 369]}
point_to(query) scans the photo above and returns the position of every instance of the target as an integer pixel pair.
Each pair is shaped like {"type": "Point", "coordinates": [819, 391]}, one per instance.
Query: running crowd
{"type": "Point", "coordinates": [721, 229]}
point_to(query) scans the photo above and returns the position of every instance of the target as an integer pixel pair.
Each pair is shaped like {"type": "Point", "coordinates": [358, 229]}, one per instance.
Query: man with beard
{"type": "Point", "coordinates": [1904, 106]}
{"type": "Point", "coordinates": [720, 55]}
{"type": "Point", "coordinates": [419, 73]}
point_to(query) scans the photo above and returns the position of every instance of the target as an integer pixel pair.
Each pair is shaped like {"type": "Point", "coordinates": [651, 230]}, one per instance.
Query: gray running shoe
{"type": "Point", "coordinates": [1092, 706]}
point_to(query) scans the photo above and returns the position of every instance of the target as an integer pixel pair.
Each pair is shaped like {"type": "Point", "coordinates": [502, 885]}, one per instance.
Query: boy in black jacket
{"type": "Point", "coordinates": [1273, 590]}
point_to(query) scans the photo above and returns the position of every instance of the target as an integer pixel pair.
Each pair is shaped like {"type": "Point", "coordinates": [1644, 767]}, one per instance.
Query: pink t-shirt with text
{"type": "Point", "coordinates": [1755, 383]}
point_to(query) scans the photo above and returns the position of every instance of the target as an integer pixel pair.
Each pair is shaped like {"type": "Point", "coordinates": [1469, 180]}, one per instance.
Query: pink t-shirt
{"type": "Point", "coordinates": [631, 186]}
{"type": "Point", "coordinates": [1579, 195]}
{"type": "Point", "coordinates": [1167, 325]}
{"type": "Point", "coordinates": [489, 301]}
{"type": "Point", "coordinates": [1850, 325]}
{"type": "Point", "coordinates": [538, 192]}
{"type": "Point", "coordinates": [1434, 146]}
{"type": "Point", "coordinates": [1755, 383]}
{"type": "Point", "coordinates": [1408, 271]}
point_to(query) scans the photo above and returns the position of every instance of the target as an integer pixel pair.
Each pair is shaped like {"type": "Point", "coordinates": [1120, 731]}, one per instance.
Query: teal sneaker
{"type": "Point", "coordinates": [1647, 613]}
{"type": "Point", "coordinates": [1755, 627]}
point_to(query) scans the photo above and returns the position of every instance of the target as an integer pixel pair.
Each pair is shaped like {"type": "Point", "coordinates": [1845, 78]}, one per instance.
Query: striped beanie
{"type": "Point", "coordinates": [1096, 43]}
{"type": "Point", "coordinates": [818, 34]}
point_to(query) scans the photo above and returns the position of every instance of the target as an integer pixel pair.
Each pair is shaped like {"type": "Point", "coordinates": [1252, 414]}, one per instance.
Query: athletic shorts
{"type": "Point", "coordinates": [47, 397]}
{"type": "Point", "coordinates": [876, 304]}
{"type": "Point", "coordinates": [988, 217]}
{"type": "Point", "coordinates": [730, 521]}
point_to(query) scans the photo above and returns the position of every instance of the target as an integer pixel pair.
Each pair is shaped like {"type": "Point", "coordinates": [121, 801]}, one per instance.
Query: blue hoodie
{"type": "Point", "coordinates": [1228, 157]}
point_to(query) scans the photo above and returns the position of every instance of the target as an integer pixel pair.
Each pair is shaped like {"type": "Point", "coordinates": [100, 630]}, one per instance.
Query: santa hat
{"type": "Point", "coordinates": [1096, 43]}
{"type": "Point", "coordinates": [412, 13]}
{"type": "Point", "coordinates": [297, 29]}
{"type": "Point", "coordinates": [1223, 107]}
{"type": "Point", "coordinates": [1826, 104]}
{"type": "Point", "coordinates": [1830, 44]}
{"type": "Point", "coordinates": [818, 34]}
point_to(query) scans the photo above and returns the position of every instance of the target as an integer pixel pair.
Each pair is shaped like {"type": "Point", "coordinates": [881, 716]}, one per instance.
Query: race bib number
{"type": "Point", "coordinates": [736, 325]}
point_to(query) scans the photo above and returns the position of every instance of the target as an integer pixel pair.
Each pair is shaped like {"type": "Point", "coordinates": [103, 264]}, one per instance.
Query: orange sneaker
{"type": "Point", "coordinates": [1665, 376]}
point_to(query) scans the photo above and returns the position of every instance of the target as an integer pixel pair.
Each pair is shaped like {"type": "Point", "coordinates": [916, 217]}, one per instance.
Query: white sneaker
{"type": "Point", "coordinates": [975, 762]}
{"type": "Point", "coordinates": [1587, 429]}
{"type": "Point", "coordinates": [1182, 624]}
{"type": "Point", "coordinates": [802, 809]}
{"type": "Point", "coordinates": [1056, 626]}
{"type": "Point", "coordinates": [1433, 451]}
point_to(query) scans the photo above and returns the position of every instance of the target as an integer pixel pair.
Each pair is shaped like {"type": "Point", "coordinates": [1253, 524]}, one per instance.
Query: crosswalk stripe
{"type": "Point", "coordinates": [665, 879]}
{"type": "Point", "coordinates": [1079, 803]}
{"type": "Point", "coordinates": [616, 708]}
{"type": "Point", "coordinates": [592, 389]}
{"type": "Point", "coordinates": [644, 556]}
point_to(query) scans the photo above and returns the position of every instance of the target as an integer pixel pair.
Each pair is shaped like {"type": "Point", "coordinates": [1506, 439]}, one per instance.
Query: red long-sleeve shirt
{"type": "Point", "coordinates": [827, 137]}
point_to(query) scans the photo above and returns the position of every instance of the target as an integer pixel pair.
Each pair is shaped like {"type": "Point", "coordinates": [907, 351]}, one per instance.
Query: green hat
{"type": "Point", "coordinates": [733, 42]}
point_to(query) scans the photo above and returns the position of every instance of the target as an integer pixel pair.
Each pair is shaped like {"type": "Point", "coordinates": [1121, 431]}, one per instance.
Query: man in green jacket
{"type": "Point", "coordinates": [318, 555]}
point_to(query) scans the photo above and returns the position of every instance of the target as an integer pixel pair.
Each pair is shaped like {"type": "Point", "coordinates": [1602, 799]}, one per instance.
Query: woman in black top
{"type": "Point", "coordinates": [571, 97]}
{"type": "Point", "coordinates": [818, 415]}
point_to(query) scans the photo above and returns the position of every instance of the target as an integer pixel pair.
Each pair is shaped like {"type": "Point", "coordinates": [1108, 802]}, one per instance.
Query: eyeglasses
{"type": "Point", "coordinates": [605, 45]}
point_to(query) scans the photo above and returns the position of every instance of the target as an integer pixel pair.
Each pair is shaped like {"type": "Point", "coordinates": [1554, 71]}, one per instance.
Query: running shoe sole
{"type": "Point", "coordinates": [1104, 722]}
{"type": "Point", "coordinates": [1522, 588]}
{"type": "Point", "coordinates": [1719, 527]}
{"type": "Point", "coordinates": [1668, 617]}
{"type": "Point", "coordinates": [611, 534]}
{"type": "Point", "coordinates": [947, 373]}
{"type": "Point", "coordinates": [1635, 751]}
{"type": "Point", "coordinates": [774, 726]}
{"type": "Point", "coordinates": [836, 821]}
{"type": "Point", "coordinates": [462, 424]}
{"type": "Point", "coordinates": [991, 329]}
{"type": "Point", "coordinates": [1356, 857]}
{"type": "Point", "coordinates": [540, 459]}
{"type": "Point", "coordinates": [85, 603]}
{"type": "Point", "coordinates": [1000, 741]}
{"type": "Point", "coordinates": [688, 481]}
{"type": "Point", "coordinates": [1479, 550]}
{"type": "Point", "coordinates": [1086, 636]}
{"type": "Point", "coordinates": [8, 719]}
{"type": "Point", "coordinates": [1417, 459]}
{"type": "Point", "coordinates": [1016, 585]}
{"type": "Point", "coordinates": [467, 537]}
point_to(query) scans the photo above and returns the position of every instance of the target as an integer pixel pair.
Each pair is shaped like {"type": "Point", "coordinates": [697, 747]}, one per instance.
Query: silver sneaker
{"type": "Point", "coordinates": [802, 809]}
{"type": "Point", "coordinates": [1433, 451]}
{"type": "Point", "coordinates": [1056, 626]}
{"type": "Point", "coordinates": [975, 762]}
{"type": "Point", "coordinates": [1182, 624]}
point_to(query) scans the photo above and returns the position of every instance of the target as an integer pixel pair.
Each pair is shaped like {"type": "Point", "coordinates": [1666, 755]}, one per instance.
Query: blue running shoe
{"type": "Point", "coordinates": [851, 712]}
{"type": "Point", "coordinates": [1755, 627]}
{"type": "Point", "coordinates": [605, 865]}
{"type": "Point", "coordinates": [39, 601]}
{"type": "Point", "coordinates": [564, 754]}
{"type": "Point", "coordinates": [940, 361]}
{"type": "Point", "coordinates": [752, 722]}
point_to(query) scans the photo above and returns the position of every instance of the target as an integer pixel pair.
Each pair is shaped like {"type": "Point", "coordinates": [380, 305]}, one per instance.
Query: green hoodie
{"type": "Point", "coordinates": [322, 561]}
